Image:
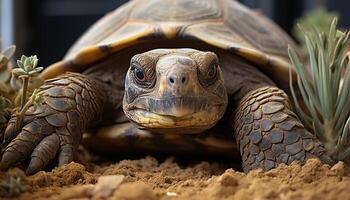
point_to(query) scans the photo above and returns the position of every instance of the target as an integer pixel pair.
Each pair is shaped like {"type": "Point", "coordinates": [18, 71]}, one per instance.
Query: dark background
{"type": "Point", "coordinates": [48, 27]}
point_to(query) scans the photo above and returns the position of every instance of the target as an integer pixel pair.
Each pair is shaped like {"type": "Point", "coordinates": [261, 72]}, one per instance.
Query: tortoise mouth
{"type": "Point", "coordinates": [182, 122]}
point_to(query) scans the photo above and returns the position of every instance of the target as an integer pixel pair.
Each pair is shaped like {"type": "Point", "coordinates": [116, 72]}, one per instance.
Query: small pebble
{"type": "Point", "coordinates": [171, 194]}
{"type": "Point", "coordinates": [339, 168]}
{"type": "Point", "coordinates": [106, 185]}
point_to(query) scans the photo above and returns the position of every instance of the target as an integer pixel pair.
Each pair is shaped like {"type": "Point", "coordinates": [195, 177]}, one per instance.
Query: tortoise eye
{"type": "Point", "coordinates": [140, 76]}
{"type": "Point", "coordinates": [209, 76]}
{"type": "Point", "coordinates": [212, 72]}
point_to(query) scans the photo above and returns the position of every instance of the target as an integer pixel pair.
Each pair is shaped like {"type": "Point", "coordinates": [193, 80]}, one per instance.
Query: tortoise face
{"type": "Point", "coordinates": [174, 91]}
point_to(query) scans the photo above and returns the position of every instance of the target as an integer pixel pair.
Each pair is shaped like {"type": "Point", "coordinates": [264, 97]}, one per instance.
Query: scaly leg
{"type": "Point", "coordinates": [73, 102]}
{"type": "Point", "coordinates": [269, 133]}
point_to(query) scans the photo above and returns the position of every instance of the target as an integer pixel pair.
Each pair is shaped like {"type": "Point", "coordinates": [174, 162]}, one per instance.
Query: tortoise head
{"type": "Point", "coordinates": [175, 91]}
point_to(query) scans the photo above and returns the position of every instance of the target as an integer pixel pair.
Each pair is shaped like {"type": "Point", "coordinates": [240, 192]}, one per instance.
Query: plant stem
{"type": "Point", "coordinates": [330, 139]}
{"type": "Point", "coordinates": [20, 114]}
{"type": "Point", "coordinates": [18, 123]}
{"type": "Point", "coordinates": [24, 91]}
{"type": "Point", "coordinates": [24, 105]}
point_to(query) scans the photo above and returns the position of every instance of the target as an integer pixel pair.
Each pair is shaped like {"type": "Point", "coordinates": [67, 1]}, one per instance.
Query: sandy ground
{"type": "Point", "coordinates": [148, 178]}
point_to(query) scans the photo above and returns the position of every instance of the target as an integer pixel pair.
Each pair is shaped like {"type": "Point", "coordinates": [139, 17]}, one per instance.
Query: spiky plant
{"type": "Point", "coordinates": [325, 92]}
{"type": "Point", "coordinates": [318, 18]}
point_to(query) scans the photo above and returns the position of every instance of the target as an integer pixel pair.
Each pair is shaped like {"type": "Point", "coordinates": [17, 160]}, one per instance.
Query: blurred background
{"type": "Point", "coordinates": [48, 28]}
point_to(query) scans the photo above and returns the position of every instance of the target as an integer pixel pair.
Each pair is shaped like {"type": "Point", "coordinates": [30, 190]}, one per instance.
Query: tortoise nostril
{"type": "Point", "coordinates": [177, 80]}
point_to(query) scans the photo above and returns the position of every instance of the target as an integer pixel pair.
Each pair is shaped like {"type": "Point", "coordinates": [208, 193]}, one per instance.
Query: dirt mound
{"type": "Point", "coordinates": [149, 179]}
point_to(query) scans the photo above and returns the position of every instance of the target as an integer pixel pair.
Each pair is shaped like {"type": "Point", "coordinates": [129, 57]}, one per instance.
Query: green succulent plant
{"type": "Point", "coordinates": [6, 91]}
{"type": "Point", "coordinates": [13, 184]}
{"type": "Point", "coordinates": [5, 57]}
{"type": "Point", "coordinates": [35, 100]}
{"type": "Point", "coordinates": [27, 68]}
{"type": "Point", "coordinates": [324, 91]}
{"type": "Point", "coordinates": [5, 105]}
{"type": "Point", "coordinates": [12, 93]}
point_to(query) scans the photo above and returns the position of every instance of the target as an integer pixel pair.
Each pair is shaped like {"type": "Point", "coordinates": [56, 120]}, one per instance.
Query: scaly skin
{"type": "Point", "coordinates": [268, 132]}
{"type": "Point", "coordinates": [73, 103]}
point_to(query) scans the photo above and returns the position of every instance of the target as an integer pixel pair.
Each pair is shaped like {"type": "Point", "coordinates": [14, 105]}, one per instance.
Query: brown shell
{"type": "Point", "coordinates": [221, 23]}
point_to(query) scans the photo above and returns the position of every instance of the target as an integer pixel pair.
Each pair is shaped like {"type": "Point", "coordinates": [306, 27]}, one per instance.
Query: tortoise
{"type": "Point", "coordinates": [178, 76]}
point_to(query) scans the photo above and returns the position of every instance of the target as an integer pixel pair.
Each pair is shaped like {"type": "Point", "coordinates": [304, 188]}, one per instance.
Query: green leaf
{"type": "Point", "coordinates": [18, 71]}
{"type": "Point", "coordinates": [339, 33]}
{"type": "Point", "coordinates": [20, 64]}
{"type": "Point", "coordinates": [9, 52]}
{"type": "Point", "coordinates": [29, 65]}
{"type": "Point", "coordinates": [35, 63]}
{"type": "Point", "coordinates": [32, 73]}
{"type": "Point", "coordinates": [39, 69]}
{"type": "Point", "coordinates": [4, 102]}
{"type": "Point", "coordinates": [23, 58]}
{"type": "Point", "coordinates": [26, 62]}
{"type": "Point", "coordinates": [327, 102]}
{"type": "Point", "coordinates": [2, 57]}
{"type": "Point", "coordinates": [317, 19]}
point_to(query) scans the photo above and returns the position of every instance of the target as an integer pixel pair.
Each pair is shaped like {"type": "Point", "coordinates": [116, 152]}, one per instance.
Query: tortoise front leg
{"type": "Point", "coordinates": [269, 133]}
{"type": "Point", "coordinates": [73, 102]}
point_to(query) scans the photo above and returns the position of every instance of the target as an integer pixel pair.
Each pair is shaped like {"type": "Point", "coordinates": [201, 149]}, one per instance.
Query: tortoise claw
{"type": "Point", "coordinates": [66, 155]}
{"type": "Point", "coordinates": [22, 145]}
{"type": "Point", "coordinates": [8, 159]}
{"type": "Point", "coordinates": [43, 154]}
{"type": "Point", "coordinates": [10, 133]}
{"type": "Point", "coordinates": [41, 141]}
{"type": "Point", "coordinates": [72, 102]}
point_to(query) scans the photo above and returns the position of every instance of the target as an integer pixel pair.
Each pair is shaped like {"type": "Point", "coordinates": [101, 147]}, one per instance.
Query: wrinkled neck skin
{"type": "Point", "coordinates": [178, 91]}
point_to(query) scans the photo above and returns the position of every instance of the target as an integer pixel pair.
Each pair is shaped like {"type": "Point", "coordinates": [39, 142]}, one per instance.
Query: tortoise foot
{"type": "Point", "coordinates": [55, 127]}
{"type": "Point", "coordinates": [269, 133]}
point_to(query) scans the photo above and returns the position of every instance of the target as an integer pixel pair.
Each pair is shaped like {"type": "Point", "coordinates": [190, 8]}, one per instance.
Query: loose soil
{"type": "Point", "coordinates": [149, 179]}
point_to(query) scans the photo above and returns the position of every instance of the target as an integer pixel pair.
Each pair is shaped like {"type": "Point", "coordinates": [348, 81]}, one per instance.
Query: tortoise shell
{"type": "Point", "coordinates": [224, 24]}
